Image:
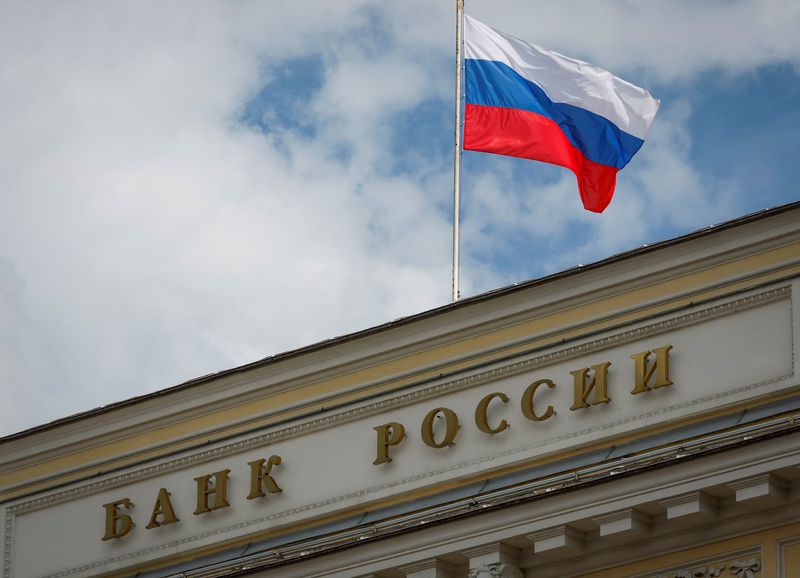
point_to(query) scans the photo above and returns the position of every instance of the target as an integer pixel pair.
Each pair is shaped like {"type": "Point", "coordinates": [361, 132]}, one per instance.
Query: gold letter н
{"type": "Point", "coordinates": [220, 491]}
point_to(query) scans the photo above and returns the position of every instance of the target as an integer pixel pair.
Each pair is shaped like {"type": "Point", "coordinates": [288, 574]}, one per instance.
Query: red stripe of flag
{"type": "Point", "coordinates": [524, 134]}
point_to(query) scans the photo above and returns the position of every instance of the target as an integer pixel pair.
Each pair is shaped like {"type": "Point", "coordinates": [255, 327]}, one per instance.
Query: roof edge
{"type": "Point", "coordinates": [403, 321]}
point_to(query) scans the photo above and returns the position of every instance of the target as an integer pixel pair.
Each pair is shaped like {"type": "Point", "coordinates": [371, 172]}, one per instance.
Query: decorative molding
{"type": "Point", "coordinates": [453, 385]}
{"type": "Point", "coordinates": [496, 570]}
{"type": "Point", "coordinates": [493, 560]}
{"type": "Point", "coordinates": [730, 565]}
{"type": "Point", "coordinates": [701, 572]}
{"type": "Point", "coordinates": [8, 544]}
{"type": "Point", "coordinates": [746, 568]}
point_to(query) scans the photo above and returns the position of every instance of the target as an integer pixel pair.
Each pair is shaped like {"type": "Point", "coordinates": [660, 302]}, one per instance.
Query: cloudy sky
{"type": "Point", "coordinates": [189, 186]}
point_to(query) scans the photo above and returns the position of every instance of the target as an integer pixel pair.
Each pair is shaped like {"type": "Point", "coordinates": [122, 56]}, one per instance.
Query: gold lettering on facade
{"type": "Point", "coordinates": [482, 414]}
{"type": "Point", "coordinates": [163, 507]}
{"type": "Point", "coordinates": [389, 434]}
{"type": "Point", "coordinates": [261, 477]}
{"type": "Point", "coordinates": [597, 385]}
{"type": "Point", "coordinates": [440, 427]}
{"type": "Point", "coordinates": [528, 399]}
{"type": "Point", "coordinates": [219, 491]}
{"type": "Point", "coordinates": [451, 427]}
{"type": "Point", "coordinates": [643, 372]}
{"type": "Point", "coordinates": [118, 523]}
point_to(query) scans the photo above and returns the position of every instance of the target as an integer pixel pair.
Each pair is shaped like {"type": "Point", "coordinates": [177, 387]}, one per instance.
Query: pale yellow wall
{"type": "Point", "coordinates": [791, 560]}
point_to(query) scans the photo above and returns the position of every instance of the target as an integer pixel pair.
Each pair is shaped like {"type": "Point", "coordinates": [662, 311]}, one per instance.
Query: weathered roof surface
{"type": "Point", "coordinates": [466, 302]}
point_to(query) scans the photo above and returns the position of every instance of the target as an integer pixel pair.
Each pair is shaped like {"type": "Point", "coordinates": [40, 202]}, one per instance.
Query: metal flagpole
{"type": "Point", "coordinates": [457, 154]}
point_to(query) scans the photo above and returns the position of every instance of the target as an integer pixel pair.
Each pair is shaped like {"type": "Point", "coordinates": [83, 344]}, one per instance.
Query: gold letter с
{"type": "Point", "coordinates": [482, 414]}
{"type": "Point", "coordinates": [527, 401]}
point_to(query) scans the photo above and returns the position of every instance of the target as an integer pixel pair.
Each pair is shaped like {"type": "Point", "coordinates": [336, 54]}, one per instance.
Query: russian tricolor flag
{"type": "Point", "coordinates": [524, 101]}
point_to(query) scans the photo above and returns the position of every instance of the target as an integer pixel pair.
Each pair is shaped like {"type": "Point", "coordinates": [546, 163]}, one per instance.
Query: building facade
{"type": "Point", "coordinates": [638, 417]}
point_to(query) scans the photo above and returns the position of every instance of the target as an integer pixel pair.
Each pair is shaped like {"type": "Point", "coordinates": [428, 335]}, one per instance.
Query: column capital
{"type": "Point", "coordinates": [495, 560]}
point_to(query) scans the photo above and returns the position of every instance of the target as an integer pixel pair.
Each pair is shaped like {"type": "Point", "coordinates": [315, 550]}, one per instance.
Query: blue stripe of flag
{"type": "Point", "coordinates": [491, 83]}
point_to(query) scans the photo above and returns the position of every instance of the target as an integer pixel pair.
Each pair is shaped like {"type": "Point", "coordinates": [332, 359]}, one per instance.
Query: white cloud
{"type": "Point", "coordinates": [147, 237]}
{"type": "Point", "coordinates": [666, 40]}
{"type": "Point", "coordinates": [150, 238]}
